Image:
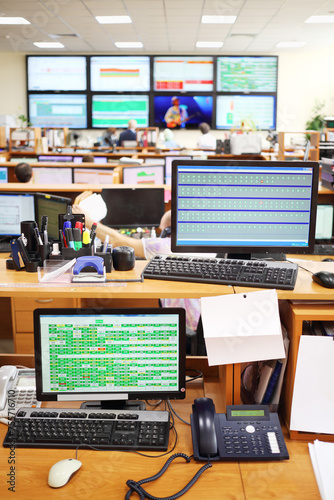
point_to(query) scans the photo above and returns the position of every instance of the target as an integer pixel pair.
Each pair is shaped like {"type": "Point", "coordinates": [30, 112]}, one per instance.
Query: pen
{"type": "Point", "coordinates": [79, 225]}
{"type": "Point", "coordinates": [77, 238]}
{"type": "Point", "coordinates": [38, 236]}
{"type": "Point", "coordinates": [45, 237]}
{"type": "Point", "coordinates": [105, 244]}
{"type": "Point", "coordinates": [86, 239]}
{"type": "Point", "coordinates": [93, 230]}
{"type": "Point", "coordinates": [69, 237]}
{"type": "Point", "coordinates": [67, 225]}
{"type": "Point", "coordinates": [44, 223]}
{"type": "Point", "coordinates": [61, 240]}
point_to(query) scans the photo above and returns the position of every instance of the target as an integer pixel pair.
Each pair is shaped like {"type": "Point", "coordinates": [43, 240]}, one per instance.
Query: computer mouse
{"type": "Point", "coordinates": [324, 278]}
{"type": "Point", "coordinates": [327, 260]}
{"type": "Point", "coordinates": [61, 472]}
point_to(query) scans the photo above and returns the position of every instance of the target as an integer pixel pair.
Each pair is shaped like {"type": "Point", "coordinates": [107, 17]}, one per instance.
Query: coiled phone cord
{"type": "Point", "coordinates": [135, 486]}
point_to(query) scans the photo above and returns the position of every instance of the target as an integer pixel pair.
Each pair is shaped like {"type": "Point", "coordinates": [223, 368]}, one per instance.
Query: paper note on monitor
{"type": "Point", "coordinates": [242, 327]}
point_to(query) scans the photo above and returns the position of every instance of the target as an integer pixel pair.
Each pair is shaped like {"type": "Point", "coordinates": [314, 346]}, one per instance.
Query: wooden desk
{"type": "Point", "coordinates": [104, 474]}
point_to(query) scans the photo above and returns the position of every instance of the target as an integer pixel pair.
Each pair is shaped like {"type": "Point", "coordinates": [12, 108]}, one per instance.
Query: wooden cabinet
{"type": "Point", "coordinates": [23, 320]}
{"type": "Point", "coordinates": [24, 140]}
{"type": "Point", "coordinates": [285, 152]}
{"type": "Point", "coordinates": [57, 137]}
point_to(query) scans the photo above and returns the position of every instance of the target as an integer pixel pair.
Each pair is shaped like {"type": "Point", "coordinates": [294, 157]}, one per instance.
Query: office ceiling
{"type": "Point", "coordinates": [165, 26]}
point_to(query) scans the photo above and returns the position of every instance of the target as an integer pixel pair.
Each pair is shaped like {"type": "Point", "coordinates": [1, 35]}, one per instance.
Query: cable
{"type": "Point", "coordinates": [135, 486]}
{"type": "Point", "coordinates": [169, 404]}
{"type": "Point", "coordinates": [301, 267]}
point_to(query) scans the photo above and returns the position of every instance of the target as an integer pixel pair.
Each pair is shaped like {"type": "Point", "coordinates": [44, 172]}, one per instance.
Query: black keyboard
{"type": "Point", "coordinates": [5, 247]}
{"type": "Point", "coordinates": [105, 429]}
{"type": "Point", "coordinates": [323, 250]}
{"type": "Point", "coordinates": [255, 273]}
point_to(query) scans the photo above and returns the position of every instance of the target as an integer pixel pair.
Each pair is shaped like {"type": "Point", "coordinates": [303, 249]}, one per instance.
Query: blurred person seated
{"type": "Point", "coordinates": [129, 134]}
{"type": "Point", "coordinates": [146, 248]}
{"type": "Point", "coordinates": [23, 172]}
{"type": "Point", "coordinates": [88, 159]}
{"type": "Point", "coordinates": [109, 137]}
{"type": "Point", "coordinates": [168, 141]}
{"type": "Point", "coordinates": [207, 140]}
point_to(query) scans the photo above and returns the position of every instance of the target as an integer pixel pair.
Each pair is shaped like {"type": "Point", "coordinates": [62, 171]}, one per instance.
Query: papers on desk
{"type": "Point", "coordinates": [242, 327]}
{"type": "Point", "coordinates": [314, 265]}
{"type": "Point", "coordinates": [313, 394]}
{"type": "Point", "coordinates": [322, 457]}
{"type": "Point", "coordinates": [95, 206]}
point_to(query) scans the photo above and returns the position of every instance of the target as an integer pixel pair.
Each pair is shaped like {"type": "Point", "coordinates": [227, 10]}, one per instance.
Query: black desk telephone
{"type": "Point", "coordinates": [245, 432]}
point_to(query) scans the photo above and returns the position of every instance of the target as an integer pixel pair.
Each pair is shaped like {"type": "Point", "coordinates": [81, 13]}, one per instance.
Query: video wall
{"type": "Point", "coordinates": [82, 92]}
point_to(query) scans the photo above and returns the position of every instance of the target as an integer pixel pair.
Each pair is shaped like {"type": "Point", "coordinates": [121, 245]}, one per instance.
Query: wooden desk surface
{"type": "Point", "coordinates": [22, 284]}
{"type": "Point", "coordinates": [104, 474]}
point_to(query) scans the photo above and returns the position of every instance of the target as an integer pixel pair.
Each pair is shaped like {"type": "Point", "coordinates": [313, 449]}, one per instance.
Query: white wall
{"type": "Point", "coordinates": [304, 76]}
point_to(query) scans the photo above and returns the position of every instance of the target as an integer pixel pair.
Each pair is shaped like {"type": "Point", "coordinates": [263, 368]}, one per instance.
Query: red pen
{"type": "Point", "coordinates": [79, 225]}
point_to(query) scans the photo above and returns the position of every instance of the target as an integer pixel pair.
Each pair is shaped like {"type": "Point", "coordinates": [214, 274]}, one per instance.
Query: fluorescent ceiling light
{"type": "Point", "coordinates": [218, 19]}
{"type": "Point", "coordinates": [113, 19]}
{"type": "Point", "coordinates": [320, 19]}
{"type": "Point", "coordinates": [207, 45]}
{"type": "Point", "coordinates": [49, 45]}
{"type": "Point", "coordinates": [13, 20]}
{"type": "Point", "coordinates": [283, 45]}
{"type": "Point", "coordinates": [129, 45]}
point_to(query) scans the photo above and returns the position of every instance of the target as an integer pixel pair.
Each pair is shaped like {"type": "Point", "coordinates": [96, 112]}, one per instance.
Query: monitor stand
{"type": "Point", "coordinates": [125, 404]}
{"type": "Point", "coordinates": [255, 256]}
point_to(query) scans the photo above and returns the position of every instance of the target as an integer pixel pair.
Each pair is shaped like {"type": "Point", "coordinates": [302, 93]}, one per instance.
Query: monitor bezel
{"type": "Point", "coordinates": [219, 249]}
{"type": "Point", "coordinates": [136, 395]}
{"type": "Point", "coordinates": [51, 197]}
{"type": "Point", "coordinates": [129, 168]}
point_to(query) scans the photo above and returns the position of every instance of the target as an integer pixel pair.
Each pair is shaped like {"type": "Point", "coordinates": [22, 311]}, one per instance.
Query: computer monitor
{"type": "Point", "coordinates": [247, 73]}
{"type": "Point", "coordinates": [145, 174]}
{"type": "Point", "coordinates": [116, 110]}
{"type": "Point", "coordinates": [91, 176]}
{"type": "Point", "coordinates": [120, 73]}
{"type": "Point", "coordinates": [168, 166]}
{"type": "Point", "coordinates": [56, 158]}
{"type": "Point", "coordinates": [180, 73]}
{"type": "Point", "coordinates": [244, 207]}
{"type": "Point", "coordinates": [15, 208]}
{"type": "Point", "coordinates": [51, 206]}
{"type": "Point", "coordinates": [134, 207]}
{"type": "Point", "coordinates": [197, 109]}
{"type": "Point", "coordinates": [256, 111]}
{"type": "Point", "coordinates": [110, 355]}
{"type": "Point", "coordinates": [3, 175]}
{"type": "Point", "coordinates": [97, 159]}
{"type": "Point", "coordinates": [52, 175]}
{"type": "Point", "coordinates": [324, 228]}
{"type": "Point", "coordinates": [56, 73]}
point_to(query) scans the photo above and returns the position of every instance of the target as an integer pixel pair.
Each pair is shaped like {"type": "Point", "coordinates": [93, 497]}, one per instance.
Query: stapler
{"type": "Point", "coordinates": [89, 269]}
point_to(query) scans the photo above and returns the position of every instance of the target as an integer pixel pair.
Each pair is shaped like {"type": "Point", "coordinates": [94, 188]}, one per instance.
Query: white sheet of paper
{"type": "Point", "coordinates": [313, 394]}
{"type": "Point", "coordinates": [95, 206]}
{"type": "Point", "coordinates": [314, 266]}
{"type": "Point", "coordinates": [322, 456]}
{"type": "Point", "coordinates": [242, 327]}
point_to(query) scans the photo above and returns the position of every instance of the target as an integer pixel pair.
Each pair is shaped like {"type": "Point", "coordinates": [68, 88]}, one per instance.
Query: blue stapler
{"type": "Point", "coordinates": [89, 269]}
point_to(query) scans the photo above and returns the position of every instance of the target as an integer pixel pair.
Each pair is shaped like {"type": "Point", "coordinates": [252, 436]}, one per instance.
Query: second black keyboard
{"type": "Point", "coordinates": [218, 271]}
{"type": "Point", "coordinates": [104, 429]}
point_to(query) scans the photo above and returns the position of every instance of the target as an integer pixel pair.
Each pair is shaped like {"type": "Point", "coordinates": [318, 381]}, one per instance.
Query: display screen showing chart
{"type": "Point", "coordinates": [246, 205]}
{"type": "Point", "coordinates": [58, 110]}
{"type": "Point", "coordinates": [116, 111]}
{"type": "Point", "coordinates": [94, 353]}
{"type": "Point", "coordinates": [257, 112]}
{"type": "Point", "coordinates": [57, 73]}
{"type": "Point", "coordinates": [15, 208]}
{"type": "Point", "coordinates": [183, 73]}
{"type": "Point", "coordinates": [121, 74]}
{"type": "Point", "coordinates": [246, 74]}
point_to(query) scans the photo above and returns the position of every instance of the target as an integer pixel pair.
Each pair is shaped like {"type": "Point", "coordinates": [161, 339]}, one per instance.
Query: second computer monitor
{"type": "Point", "coordinates": [50, 206]}
{"type": "Point", "coordinates": [133, 207]}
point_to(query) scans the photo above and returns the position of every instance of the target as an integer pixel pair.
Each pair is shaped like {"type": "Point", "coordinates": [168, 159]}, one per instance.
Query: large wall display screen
{"type": "Point", "coordinates": [57, 73]}
{"type": "Point", "coordinates": [120, 74]}
{"type": "Point", "coordinates": [194, 74]}
{"type": "Point", "coordinates": [246, 74]}
{"type": "Point", "coordinates": [234, 111]}
{"type": "Point", "coordinates": [117, 110]}
{"type": "Point", "coordinates": [58, 110]}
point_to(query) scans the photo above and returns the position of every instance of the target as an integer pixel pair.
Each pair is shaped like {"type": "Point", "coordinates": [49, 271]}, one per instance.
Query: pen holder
{"type": "Point", "coordinates": [27, 228]}
{"type": "Point", "coordinates": [31, 267]}
{"type": "Point", "coordinates": [44, 251]}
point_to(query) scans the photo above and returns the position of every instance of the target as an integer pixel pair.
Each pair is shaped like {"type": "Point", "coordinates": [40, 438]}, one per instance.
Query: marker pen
{"type": "Point", "coordinates": [105, 244]}
{"type": "Point", "coordinates": [77, 238]}
{"type": "Point", "coordinates": [69, 237]}
{"type": "Point", "coordinates": [86, 239]}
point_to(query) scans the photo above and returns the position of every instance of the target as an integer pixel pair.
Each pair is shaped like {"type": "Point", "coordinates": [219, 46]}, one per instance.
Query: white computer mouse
{"type": "Point", "coordinates": [61, 472]}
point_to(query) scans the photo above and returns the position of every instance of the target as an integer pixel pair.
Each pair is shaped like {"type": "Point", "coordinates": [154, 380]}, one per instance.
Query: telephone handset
{"type": "Point", "coordinates": [245, 432]}
{"type": "Point", "coordinates": [17, 389]}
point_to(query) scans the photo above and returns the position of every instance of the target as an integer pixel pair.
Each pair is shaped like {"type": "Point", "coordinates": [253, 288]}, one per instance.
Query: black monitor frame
{"type": "Point", "coordinates": [239, 249]}
{"type": "Point", "coordinates": [146, 210]}
{"type": "Point", "coordinates": [115, 397]}
{"type": "Point", "coordinates": [62, 202]}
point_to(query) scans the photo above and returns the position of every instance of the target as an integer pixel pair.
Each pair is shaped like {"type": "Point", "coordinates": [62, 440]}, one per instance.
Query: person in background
{"type": "Point", "coordinates": [207, 140]}
{"type": "Point", "coordinates": [23, 172]}
{"type": "Point", "coordinates": [146, 248]}
{"type": "Point", "coordinates": [109, 138]}
{"type": "Point", "coordinates": [129, 134]}
{"type": "Point", "coordinates": [169, 142]}
{"type": "Point", "coordinates": [88, 159]}
{"type": "Point", "coordinates": [176, 116]}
